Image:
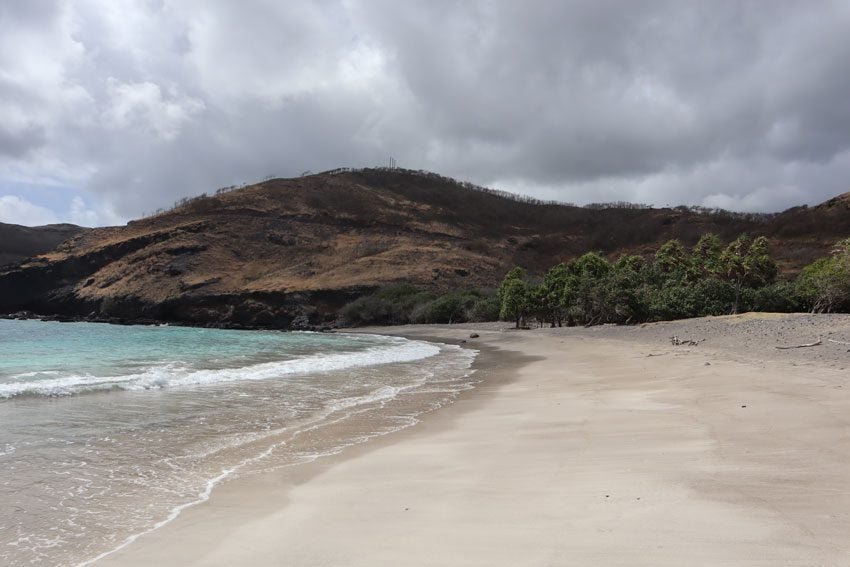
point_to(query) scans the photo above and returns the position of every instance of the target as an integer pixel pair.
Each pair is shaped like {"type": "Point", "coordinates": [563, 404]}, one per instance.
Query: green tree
{"type": "Point", "coordinates": [760, 268]}
{"type": "Point", "coordinates": [624, 289]}
{"type": "Point", "coordinates": [733, 267]}
{"type": "Point", "coordinates": [585, 291]}
{"type": "Point", "coordinates": [514, 296]}
{"type": "Point", "coordinates": [747, 263]}
{"type": "Point", "coordinates": [778, 297]}
{"type": "Point", "coordinates": [705, 257]}
{"type": "Point", "coordinates": [824, 284]}
{"type": "Point", "coordinates": [551, 295]}
{"type": "Point", "coordinates": [671, 259]}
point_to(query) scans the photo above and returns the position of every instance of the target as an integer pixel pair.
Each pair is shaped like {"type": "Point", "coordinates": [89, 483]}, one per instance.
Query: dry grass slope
{"type": "Point", "coordinates": [319, 240]}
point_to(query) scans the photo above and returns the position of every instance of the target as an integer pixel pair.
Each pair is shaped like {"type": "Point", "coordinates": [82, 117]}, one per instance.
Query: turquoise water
{"type": "Point", "coordinates": [80, 348]}
{"type": "Point", "coordinates": [54, 359]}
{"type": "Point", "coordinates": [107, 432]}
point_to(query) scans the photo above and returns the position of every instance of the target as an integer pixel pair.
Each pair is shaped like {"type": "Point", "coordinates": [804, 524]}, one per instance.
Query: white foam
{"type": "Point", "coordinates": [202, 497]}
{"type": "Point", "coordinates": [335, 410]}
{"type": "Point", "coordinates": [176, 375]}
{"type": "Point", "coordinates": [38, 373]}
{"type": "Point", "coordinates": [382, 394]}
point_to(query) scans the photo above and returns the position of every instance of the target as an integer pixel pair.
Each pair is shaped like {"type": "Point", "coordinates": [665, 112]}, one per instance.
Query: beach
{"type": "Point", "coordinates": [599, 446]}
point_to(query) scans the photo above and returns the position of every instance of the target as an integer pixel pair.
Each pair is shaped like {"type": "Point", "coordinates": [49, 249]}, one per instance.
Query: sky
{"type": "Point", "coordinates": [110, 109]}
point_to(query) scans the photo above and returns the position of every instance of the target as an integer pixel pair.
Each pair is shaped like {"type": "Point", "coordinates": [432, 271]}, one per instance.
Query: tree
{"type": "Point", "coordinates": [732, 265]}
{"type": "Point", "coordinates": [761, 270]}
{"type": "Point", "coordinates": [550, 294]}
{"type": "Point", "coordinates": [748, 263]}
{"type": "Point", "coordinates": [624, 289]}
{"type": "Point", "coordinates": [705, 257]}
{"type": "Point", "coordinates": [825, 283]}
{"type": "Point", "coordinates": [514, 296]}
{"type": "Point", "coordinates": [672, 259]}
{"type": "Point", "coordinates": [585, 290]}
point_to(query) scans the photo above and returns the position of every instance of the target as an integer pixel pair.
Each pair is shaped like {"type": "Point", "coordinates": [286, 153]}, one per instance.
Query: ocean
{"type": "Point", "coordinates": [107, 432]}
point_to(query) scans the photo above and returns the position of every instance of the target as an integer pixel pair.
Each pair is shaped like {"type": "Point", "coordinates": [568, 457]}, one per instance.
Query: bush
{"type": "Point", "coordinates": [713, 296]}
{"type": "Point", "coordinates": [484, 309]}
{"type": "Point", "coordinates": [444, 309]}
{"type": "Point", "coordinates": [780, 297]}
{"type": "Point", "coordinates": [671, 302]}
{"type": "Point", "coordinates": [389, 306]}
{"type": "Point", "coordinates": [404, 303]}
{"type": "Point", "coordinates": [459, 307]}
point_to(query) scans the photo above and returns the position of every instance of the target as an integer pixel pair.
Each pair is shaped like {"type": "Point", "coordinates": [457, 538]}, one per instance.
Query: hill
{"type": "Point", "coordinates": [298, 249]}
{"type": "Point", "coordinates": [20, 242]}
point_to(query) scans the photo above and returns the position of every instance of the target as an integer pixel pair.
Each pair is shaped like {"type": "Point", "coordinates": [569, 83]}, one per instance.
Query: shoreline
{"type": "Point", "coordinates": [298, 473]}
{"type": "Point", "coordinates": [593, 447]}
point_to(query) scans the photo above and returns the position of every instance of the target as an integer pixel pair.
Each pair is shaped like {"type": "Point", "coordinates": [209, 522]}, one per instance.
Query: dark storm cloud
{"type": "Point", "coordinates": [18, 144]}
{"type": "Point", "coordinates": [734, 104]}
{"type": "Point", "coordinates": [579, 92]}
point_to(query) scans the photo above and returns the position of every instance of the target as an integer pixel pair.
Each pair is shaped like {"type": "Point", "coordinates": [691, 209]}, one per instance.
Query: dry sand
{"type": "Point", "coordinates": [582, 447]}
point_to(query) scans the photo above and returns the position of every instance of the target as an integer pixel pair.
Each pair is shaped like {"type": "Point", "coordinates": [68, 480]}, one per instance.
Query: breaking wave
{"type": "Point", "coordinates": [180, 375]}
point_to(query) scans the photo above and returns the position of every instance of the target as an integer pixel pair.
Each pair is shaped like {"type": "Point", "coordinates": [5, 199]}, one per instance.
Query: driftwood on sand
{"type": "Point", "coordinates": [816, 343]}
{"type": "Point", "coordinates": [676, 341]}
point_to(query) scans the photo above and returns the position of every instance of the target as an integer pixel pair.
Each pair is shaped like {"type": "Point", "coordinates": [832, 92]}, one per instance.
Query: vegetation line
{"type": "Point", "coordinates": [677, 283]}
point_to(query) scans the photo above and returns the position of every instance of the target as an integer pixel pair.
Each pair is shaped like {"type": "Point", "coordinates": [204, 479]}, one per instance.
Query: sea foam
{"type": "Point", "coordinates": [177, 374]}
{"type": "Point", "coordinates": [182, 410]}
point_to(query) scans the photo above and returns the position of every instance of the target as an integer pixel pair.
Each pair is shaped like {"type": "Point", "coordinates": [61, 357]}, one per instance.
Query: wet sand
{"type": "Point", "coordinates": [605, 446]}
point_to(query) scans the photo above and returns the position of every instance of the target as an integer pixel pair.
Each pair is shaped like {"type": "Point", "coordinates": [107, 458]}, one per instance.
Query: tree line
{"type": "Point", "coordinates": [676, 283]}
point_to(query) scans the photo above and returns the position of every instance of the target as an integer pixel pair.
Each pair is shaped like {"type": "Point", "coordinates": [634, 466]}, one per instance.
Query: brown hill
{"type": "Point", "coordinates": [20, 242]}
{"type": "Point", "coordinates": [301, 248]}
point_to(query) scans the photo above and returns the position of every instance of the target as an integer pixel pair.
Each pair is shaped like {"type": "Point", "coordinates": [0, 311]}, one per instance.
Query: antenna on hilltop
{"type": "Point", "coordinates": [392, 162]}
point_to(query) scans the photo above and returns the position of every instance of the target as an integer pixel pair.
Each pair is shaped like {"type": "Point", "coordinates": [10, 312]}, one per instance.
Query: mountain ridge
{"type": "Point", "coordinates": [18, 242]}
{"type": "Point", "coordinates": [291, 252]}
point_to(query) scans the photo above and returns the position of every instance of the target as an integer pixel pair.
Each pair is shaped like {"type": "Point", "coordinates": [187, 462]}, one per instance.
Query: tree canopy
{"type": "Point", "coordinates": [675, 282]}
{"type": "Point", "coordinates": [514, 296]}
{"type": "Point", "coordinates": [825, 283]}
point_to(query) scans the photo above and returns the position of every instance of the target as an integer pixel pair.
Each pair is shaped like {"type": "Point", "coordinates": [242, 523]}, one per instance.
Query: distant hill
{"type": "Point", "coordinates": [19, 242]}
{"type": "Point", "coordinates": [266, 254]}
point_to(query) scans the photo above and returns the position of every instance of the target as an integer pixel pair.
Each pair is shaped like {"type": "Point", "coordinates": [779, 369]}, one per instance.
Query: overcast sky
{"type": "Point", "coordinates": [112, 108]}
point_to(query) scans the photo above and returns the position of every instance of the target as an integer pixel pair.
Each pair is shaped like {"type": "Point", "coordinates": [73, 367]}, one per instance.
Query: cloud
{"type": "Point", "coordinates": [136, 104]}
{"type": "Point", "coordinates": [18, 142]}
{"type": "Point", "coordinates": [81, 214]}
{"type": "Point", "coordinates": [17, 210]}
{"type": "Point", "coordinates": [142, 105]}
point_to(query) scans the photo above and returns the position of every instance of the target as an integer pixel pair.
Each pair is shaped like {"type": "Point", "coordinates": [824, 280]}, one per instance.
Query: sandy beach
{"type": "Point", "coordinates": [581, 447]}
